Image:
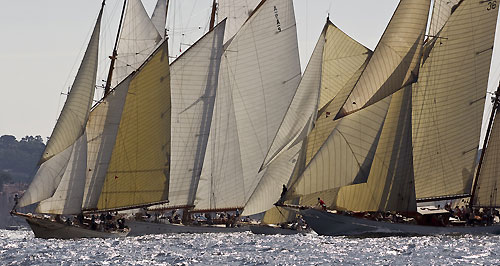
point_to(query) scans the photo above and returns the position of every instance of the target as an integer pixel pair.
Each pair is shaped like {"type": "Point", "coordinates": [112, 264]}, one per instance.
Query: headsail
{"type": "Point", "coordinates": [441, 12]}
{"type": "Point", "coordinates": [69, 127]}
{"type": "Point", "coordinates": [449, 102]}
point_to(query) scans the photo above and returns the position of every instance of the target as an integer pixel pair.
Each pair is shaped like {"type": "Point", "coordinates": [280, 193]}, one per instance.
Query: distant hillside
{"type": "Point", "coordinates": [18, 159]}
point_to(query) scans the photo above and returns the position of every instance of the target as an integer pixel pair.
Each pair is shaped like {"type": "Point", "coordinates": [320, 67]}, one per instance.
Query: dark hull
{"type": "Point", "coordinates": [332, 224]}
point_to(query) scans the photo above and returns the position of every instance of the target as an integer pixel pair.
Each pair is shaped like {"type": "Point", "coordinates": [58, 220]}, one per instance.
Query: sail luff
{"type": "Point", "coordinates": [69, 127]}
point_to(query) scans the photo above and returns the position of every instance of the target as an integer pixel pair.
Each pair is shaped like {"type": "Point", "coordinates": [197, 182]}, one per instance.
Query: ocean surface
{"type": "Point", "coordinates": [21, 248]}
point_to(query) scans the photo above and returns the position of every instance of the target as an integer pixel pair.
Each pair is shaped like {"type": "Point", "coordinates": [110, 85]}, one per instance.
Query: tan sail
{"type": "Point", "coordinates": [396, 59]}
{"type": "Point", "coordinates": [489, 179]}
{"type": "Point", "coordinates": [346, 156]}
{"type": "Point", "coordinates": [449, 101]}
{"type": "Point", "coordinates": [139, 169]}
{"type": "Point", "coordinates": [441, 12]}
{"type": "Point", "coordinates": [389, 186]}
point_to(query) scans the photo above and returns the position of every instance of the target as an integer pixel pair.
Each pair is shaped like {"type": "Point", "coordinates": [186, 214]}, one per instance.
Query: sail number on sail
{"type": "Point", "coordinates": [491, 5]}
{"type": "Point", "coordinates": [278, 24]}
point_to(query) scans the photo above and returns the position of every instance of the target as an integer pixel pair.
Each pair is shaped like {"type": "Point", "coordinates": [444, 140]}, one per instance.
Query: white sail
{"type": "Point", "coordinates": [395, 61]}
{"type": "Point", "coordinates": [449, 101]}
{"type": "Point", "coordinates": [303, 108]}
{"type": "Point", "coordinates": [102, 129]}
{"type": "Point", "coordinates": [138, 38]}
{"type": "Point", "coordinates": [68, 196]}
{"type": "Point", "coordinates": [69, 127]}
{"type": "Point", "coordinates": [440, 14]}
{"type": "Point", "coordinates": [194, 77]}
{"type": "Point", "coordinates": [159, 17]}
{"type": "Point", "coordinates": [275, 175]}
{"type": "Point", "coordinates": [236, 12]}
{"type": "Point", "coordinates": [259, 74]}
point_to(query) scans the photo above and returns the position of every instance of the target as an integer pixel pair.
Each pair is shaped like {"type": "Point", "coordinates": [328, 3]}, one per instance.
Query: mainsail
{"type": "Point", "coordinates": [68, 131]}
{"type": "Point", "coordinates": [194, 81]}
{"type": "Point", "coordinates": [259, 74]}
{"type": "Point", "coordinates": [449, 101]}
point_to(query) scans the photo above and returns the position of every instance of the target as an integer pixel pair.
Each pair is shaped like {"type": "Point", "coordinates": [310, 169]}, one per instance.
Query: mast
{"type": "Point", "coordinates": [496, 102]}
{"type": "Point", "coordinates": [212, 18]}
{"type": "Point", "coordinates": [115, 53]}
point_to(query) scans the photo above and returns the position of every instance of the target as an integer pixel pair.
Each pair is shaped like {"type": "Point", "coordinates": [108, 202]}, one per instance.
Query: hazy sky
{"type": "Point", "coordinates": [43, 43]}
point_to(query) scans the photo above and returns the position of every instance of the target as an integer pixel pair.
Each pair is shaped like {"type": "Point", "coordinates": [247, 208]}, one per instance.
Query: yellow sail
{"type": "Point", "coordinates": [139, 168]}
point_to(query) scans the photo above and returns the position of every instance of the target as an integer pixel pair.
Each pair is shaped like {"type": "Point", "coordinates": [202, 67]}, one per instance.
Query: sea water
{"type": "Point", "coordinates": [21, 248]}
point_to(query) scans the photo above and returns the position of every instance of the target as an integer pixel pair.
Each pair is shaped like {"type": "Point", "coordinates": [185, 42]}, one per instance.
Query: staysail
{"type": "Point", "coordinates": [449, 101]}
{"type": "Point", "coordinates": [69, 127]}
{"type": "Point", "coordinates": [194, 81]}
{"type": "Point", "coordinates": [259, 74]}
{"type": "Point", "coordinates": [159, 17]}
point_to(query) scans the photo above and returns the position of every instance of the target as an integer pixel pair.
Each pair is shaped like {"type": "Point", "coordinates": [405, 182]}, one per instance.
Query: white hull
{"type": "Point", "coordinates": [49, 229]}
{"type": "Point", "coordinates": [331, 224]}
{"type": "Point", "coordinates": [138, 228]}
{"type": "Point", "coordinates": [272, 230]}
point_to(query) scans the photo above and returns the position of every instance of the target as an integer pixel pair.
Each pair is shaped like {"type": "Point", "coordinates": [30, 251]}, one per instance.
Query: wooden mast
{"type": "Point", "coordinates": [115, 53]}
{"type": "Point", "coordinates": [212, 17]}
{"type": "Point", "coordinates": [496, 102]}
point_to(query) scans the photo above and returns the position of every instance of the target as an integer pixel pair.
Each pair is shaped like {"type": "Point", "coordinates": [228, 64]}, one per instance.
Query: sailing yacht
{"type": "Point", "coordinates": [101, 158]}
{"type": "Point", "coordinates": [237, 98]}
{"type": "Point", "coordinates": [409, 129]}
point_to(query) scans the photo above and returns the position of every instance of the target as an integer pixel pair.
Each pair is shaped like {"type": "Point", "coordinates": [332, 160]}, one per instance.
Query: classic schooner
{"type": "Point", "coordinates": [115, 155]}
{"type": "Point", "coordinates": [409, 128]}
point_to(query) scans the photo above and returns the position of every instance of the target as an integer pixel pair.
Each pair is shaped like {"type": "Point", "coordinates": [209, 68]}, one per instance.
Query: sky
{"type": "Point", "coordinates": [43, 43]}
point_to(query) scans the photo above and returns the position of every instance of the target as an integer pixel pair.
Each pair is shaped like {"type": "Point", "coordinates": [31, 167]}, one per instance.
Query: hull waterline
{"type": "Point", "coordinates": [332, 224]}
{"type": "Point", "coordinates": [271, 230]}
{"type": "Point", "coordinates": [139, 228]}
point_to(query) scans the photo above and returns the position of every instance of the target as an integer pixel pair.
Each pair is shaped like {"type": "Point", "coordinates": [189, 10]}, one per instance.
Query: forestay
{"type": "Point", "coordinates": [259, 74]}
{"type": "Point", "coordinates": [449, 102]}
{"type": "Point", "coordinates": [194, 81]}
